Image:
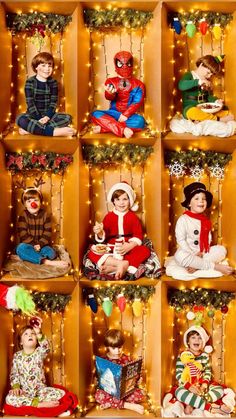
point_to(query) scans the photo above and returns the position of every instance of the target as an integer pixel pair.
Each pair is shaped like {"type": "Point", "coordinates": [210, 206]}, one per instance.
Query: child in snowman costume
{"type": "Point", "coordinates": [205, 394]}
{"type": "Point", "coordinates": [121, 223]}
{"type": "Point", "coordinates": [193, 235]}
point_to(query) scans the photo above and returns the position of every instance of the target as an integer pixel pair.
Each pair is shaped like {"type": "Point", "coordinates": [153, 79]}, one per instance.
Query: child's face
{"type": "Point", "coordinates": [195, 343]}
{"type": "Point", "coordinates": [122, 203]}
{"type": "Point", "coordinates": [114, 353]}
{"type": "Point", "coordinates": [28, 339]}
{"type": "Point", "coordinates": [33, 205]}
{"type": "Point", "coordinates": [198, 203]}
{"type": "Point", "coordinates": [204, 72]}
{"type": "Point", "coordinates": [44, 70]}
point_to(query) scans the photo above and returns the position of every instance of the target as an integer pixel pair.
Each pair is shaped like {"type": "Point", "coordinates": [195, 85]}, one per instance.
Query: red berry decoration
{"type": "Point", "coordinates": [224, 309]}
{"type": "Point", "coordinates": [34, 322]}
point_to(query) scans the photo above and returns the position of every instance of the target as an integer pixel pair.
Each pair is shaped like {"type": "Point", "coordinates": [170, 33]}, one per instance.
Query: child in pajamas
{"type": "Point", "coordinates": [124, 224]}
{"type": "Point", "coordinates": [27, 379]}
{"type": "Point", "coordinates": [193, 234]}
{"type": "Point", "coordinates": [34, 230]}
{"type": "Point", "coordinates": [41, 92]}
{"type": "Point", "coordinates": [196, 88]}
{"type": "Point", "coordinates": [204, 394]}
{"type": "Point", "coordinates": [114, 341]}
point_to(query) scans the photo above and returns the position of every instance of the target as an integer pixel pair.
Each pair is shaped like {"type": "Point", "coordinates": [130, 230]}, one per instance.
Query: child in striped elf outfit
{"type": "Point", "coordinates": [34, 230]}
{"type": "Point", "coordinates": [203, 394]}
{"type": "Point", "coordinates": [41, 92]}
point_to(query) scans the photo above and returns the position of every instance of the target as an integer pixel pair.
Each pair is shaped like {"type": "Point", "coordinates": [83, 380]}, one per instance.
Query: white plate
{"type": "Point", "coordinates": [214, 107]}
{"type": "Point", "coordinates": [94, 248]}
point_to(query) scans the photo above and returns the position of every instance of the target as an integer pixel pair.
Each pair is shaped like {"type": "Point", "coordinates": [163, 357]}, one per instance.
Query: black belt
{"type": "Point", "coordinates": [118, 236]}
{"type": "Point", "coordinates": [199, 98]}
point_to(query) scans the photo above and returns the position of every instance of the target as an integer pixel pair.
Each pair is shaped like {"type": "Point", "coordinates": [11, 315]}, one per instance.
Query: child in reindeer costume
{"type": "Point", "coordinates": [201, 395]}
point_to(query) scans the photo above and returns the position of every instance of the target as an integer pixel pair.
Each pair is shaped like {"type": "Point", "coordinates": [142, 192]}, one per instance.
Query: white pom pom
{"type": "Point", "coordinates": [190, 315]}
{"type": "Point", "coordinates": [208, 349]}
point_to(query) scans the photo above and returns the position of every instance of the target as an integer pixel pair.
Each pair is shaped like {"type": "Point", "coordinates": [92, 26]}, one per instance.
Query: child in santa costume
{"type": "Point", "coordinates": [193, 236]}
{"type": "Point", "coordinates": [196, 87]}
{"type": "Point", "coordinates": [114, 341]}
{"type": "Point", "coordinates": [121, 223]}
{"type": "Point", "coordinates": [27, 379]}
{"type": "Point", "coordinates": [34, 231]}
{"type": "Point", "coordinates": [203, 394]}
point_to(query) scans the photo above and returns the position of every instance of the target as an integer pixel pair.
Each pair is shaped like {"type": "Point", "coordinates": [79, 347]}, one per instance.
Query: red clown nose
{"type": "Point", "coordinates": [34, 205]}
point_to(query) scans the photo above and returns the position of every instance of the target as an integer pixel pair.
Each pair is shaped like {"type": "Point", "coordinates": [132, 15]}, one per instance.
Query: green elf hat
{"type": "Point", "coordinates": [219, 58]}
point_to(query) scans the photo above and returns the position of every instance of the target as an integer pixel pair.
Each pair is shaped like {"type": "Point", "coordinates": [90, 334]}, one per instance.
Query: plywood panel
{"type": "Point", "coordinates": [5, 71]}
{"type": "Point", "coordinates": [5, 207]}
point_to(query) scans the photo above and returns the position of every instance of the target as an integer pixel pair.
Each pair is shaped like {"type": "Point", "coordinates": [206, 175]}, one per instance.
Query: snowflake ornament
{"type": "Point", "coordinates": [196, 172]}
{"type": "Point", "coordinates": [177, 169]}
{"type": "Point", "coordinates": [217, 171]}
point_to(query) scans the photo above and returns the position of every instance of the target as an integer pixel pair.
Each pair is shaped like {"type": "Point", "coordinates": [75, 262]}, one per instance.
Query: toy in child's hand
{"type": "Point", "coordinates": [110, 88]}
{"type": "Point", "coordinates": [192, 369]}
{"type": "Point", "coordinates": [210, 107]}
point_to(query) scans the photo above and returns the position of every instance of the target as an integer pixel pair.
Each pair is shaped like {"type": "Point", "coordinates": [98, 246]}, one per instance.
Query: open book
{"type": "Point", "coordinates": [118, 380]}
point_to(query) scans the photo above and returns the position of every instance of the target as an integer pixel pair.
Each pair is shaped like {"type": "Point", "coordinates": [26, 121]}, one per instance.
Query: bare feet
{"type": "Point", "coordinates": [227, 118]}
{"type": "Point", "coordinates": [134, 406]}
{"type": "Point", "coordinates": [64, 132]}
{"type": "Point", "coordinates": [224, 269]}
{"type": "Point", "coordinates": [128, 132]}
{"type": "Point", "coordinates": [52, 403]}
{"type": "Point", "coordinates": [188, 409]}
{"type": "Point", "coordinates": [221, 410]}
{"type": "Point", "coordinates": [122, 267]}
{"type": "Point", "coordinates": [96, 129]}
{"type": "Point", "coordinates": [23, 131]}
{"type": "Point", "coordinates": [191, 270]}
{"type": "Point", "coordinates": [59, 263]}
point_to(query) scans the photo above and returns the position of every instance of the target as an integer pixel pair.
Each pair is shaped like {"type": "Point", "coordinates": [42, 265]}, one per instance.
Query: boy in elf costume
{"type": "Point", "coordinates": [196, 88]}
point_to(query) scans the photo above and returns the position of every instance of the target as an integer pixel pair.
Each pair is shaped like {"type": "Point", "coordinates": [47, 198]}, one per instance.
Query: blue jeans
{"type": "Point", "coordinates": [26, 252]}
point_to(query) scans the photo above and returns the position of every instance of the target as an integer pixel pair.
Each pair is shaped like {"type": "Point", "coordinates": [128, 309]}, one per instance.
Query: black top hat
{"type": "Point", "coordinates": [193, 189]}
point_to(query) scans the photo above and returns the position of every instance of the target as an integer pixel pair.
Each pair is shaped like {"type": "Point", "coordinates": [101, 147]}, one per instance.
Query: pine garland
{"type": "Point", "coordinates": [187, 298]}
{"type": "Point", "coordinates": [28, 22]}
{"type": "Point", "coordinates": [18, 162]}
{"type": "Point", "coordinates": [116, 154]}
{"type": "Point", "coordinates": [118, 18]}
{"type": "Point", "coordinates": [211, 17]}
{"type": "Point", "coordinates": [130, 292]}
{"type": "Point", "coordinates": [192, 158]}
{"type": "Point", "coordinates": [48, 301]}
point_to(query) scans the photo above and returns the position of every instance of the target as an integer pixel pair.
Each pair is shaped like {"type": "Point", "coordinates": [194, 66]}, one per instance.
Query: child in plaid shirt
{"type": "Point", "coordinates": [41, 93]}
{"type": "Point", "coordinates": [34, 230]}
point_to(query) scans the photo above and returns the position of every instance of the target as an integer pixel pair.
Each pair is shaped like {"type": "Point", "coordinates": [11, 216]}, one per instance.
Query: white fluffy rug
{"type": "Point", "coordinates": [180, 125]}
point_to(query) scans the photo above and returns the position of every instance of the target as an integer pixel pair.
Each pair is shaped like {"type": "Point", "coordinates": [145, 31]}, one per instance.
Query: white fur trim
{"type": "Point", "coordinates": [103, 259]}
{"type": "Point", "coordinates": [136, 240]}
{"type": "Point", "coordinates": [98, 238]}
{"type": "Point", "coordinates": [11, 298]}
{"type": "Point", "coordinates": [132, 269]}
{"type": "Point", "coordinates": [126, 188]}
{"type": "Point", "coordinates": [208, 349]}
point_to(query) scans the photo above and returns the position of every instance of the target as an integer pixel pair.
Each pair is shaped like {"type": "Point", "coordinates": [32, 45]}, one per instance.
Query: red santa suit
{"type": "Point", "coordinates": [128, 226]}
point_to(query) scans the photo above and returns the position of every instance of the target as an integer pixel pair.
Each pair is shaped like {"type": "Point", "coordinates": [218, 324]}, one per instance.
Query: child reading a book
{"type": "Point", "coordinates": [114, 341]}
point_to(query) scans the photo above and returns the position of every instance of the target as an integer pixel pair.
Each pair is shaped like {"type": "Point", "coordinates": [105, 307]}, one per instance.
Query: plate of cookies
{"type": "Point", "coordinates": [100, 249]}
{"type": "Point", "coordinates": [210, 107]}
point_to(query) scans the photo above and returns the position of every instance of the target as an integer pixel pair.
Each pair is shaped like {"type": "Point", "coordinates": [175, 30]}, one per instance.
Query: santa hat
{"type": "Point", "coordinates": [124, 186]}
{"type": "Point", "coordinates": [16, 298]}
{"type": "Point", "coordinates": [204, 336]}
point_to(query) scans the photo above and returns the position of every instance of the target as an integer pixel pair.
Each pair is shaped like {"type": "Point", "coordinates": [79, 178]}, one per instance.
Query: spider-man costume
{"type": "Point", "coordinates": [126, 95]}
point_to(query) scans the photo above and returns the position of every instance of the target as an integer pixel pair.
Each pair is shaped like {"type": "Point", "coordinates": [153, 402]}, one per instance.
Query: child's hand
{"type": "Point", "coordinates": [110, 88]}
{"type": "Point", "coordinates": [195, 390]}
{"type": "Point", "coordinates": [98, 228]}
{"type": "Point", "coordinates": [122, 118]}
{"type": "Point", "coordinates": [204, 387]}
{"type": "Point", "coordinates": [124, 248]}
{"type": "Point", "coordinates": [16, 392]}
{"type": "Point", "coordinates": [44, 120]}
{"type": "Point", "coordinates": [37, 247]}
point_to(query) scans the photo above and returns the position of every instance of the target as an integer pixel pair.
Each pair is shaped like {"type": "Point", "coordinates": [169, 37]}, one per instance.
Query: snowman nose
{"type": "Point", "coordinates": [34, 205]}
